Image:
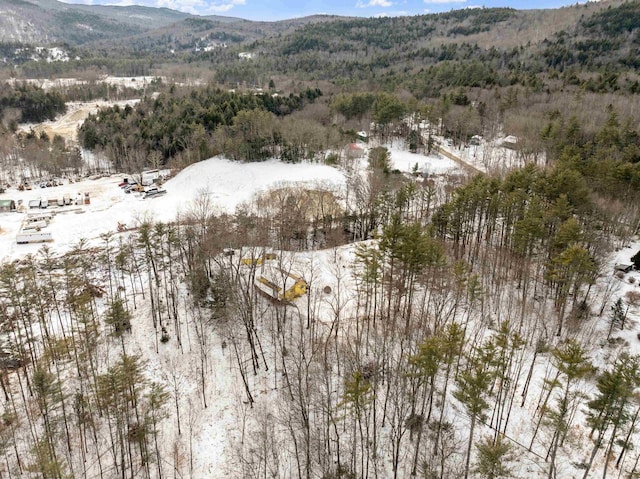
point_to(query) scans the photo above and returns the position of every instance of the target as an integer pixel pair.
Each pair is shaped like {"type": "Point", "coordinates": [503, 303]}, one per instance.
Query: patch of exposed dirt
{"type": "Point", "coordinates": [67, 125]}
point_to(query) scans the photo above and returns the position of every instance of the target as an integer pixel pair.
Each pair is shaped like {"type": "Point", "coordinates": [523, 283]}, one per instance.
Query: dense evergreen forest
{"type": "Point", "coordinates": [464, 325]}
{"type": "Point", "coordinates": [184, 122]}
{"type": "Point", "coordinates": [32, 103]}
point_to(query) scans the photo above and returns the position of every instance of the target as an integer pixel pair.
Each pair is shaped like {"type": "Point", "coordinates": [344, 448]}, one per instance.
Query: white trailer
{"type": "Point", "coordinates": [34, 226]}
{"type": "Point", "coordinates": [25, 237]}
{"type": "Point", "coordinates": [38, 217]}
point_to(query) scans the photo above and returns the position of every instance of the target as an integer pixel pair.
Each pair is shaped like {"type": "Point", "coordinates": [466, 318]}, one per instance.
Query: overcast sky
{"type": "Point", "coordinates": [282, 9]}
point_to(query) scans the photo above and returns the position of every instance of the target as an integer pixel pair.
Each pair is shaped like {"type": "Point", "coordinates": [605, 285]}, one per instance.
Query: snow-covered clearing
{"type": "Point", "coordinates": [490, 156]}
{"type": "Point", "coordinates": [129, 82]}
{"type": "Point", "coordinates": [432, 164]}
{"type": "Point", "coordinates": [226, 183]}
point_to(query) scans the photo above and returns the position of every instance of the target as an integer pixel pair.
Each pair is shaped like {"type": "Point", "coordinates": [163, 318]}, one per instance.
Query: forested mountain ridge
{"type": "Point", "coordinates": [45, 22]}
{"type": "Point", "coordinates": [482, 46]}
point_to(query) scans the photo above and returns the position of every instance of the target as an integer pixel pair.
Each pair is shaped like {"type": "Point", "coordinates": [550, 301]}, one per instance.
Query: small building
{"type": "Point", "coordinates": [624, 267]}
{"type": "Point", "coordinates": [33, 204]}
{"type": "Point", "coordinates": [354, 151]}
{"type": "Point", "coordinates": [510, 142]}
{"type": "Point", "coordinates": [38, 217]}
{"type": "Point", "coordinates": [7, 205]}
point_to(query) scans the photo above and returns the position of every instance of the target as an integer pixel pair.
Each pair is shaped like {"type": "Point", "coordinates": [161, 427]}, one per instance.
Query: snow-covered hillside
{"type": "Point", "coordinates": [361, 376]}
{"type": "Point", "coordinates": [225, 183]}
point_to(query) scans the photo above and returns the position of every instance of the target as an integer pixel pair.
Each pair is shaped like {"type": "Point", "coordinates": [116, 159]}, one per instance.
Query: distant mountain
{"type": "Point", "coordinates": [44, 22]}
{"type": "Point", "coordinates": [205, 33]}
{"type": "Point", "coordinates": [50, 21]}
{"type": "Point", "coordinates": [425, 53]}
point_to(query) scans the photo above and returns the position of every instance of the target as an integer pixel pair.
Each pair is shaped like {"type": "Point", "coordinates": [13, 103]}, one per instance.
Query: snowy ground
{"type": "Point", "coordinates": [406, 161]}
{"type": "Point", "coordinates": [625, 286]}
{"type": "Point", "coordinates": [216, 429]}
{"type": "Point", "coordinates": [226, 183]}
{"type": "Point", "coordinates": [432, 164]}
{"type": "Point", "coordinates": [489, 156]}
{"type": "Point", "coordinates": [48, 84]}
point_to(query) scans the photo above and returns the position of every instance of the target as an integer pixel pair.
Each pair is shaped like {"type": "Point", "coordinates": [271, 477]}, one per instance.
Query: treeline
{"type": "Point", "coordinates": [89, 90]}
{"type": "Point", "coordinates": [482, 20]}
{"type": "Point", "coordinates": [609, 159]}
{"type": "Point", "coordinates": [405, 52]}
{"type": "Point", "coordinates": [33, 103]}
{"type": "Point", "coordinates": [17, 53]}
{"type": "Point", "coordinates": [32, 155]}
{"type": "Point", "coordinates": [198, 123]}
{"type": "Point", "coordinates": [354, 34]}
{"type": "Point", "coordinates": [362, 35]}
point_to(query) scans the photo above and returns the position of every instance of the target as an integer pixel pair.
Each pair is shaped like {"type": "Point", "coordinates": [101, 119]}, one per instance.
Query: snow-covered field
{"type": "Point", "coordinates": [226, 183]}
{"type": "Point", "coordinates": [129, 82]}
{"type": "Point", "coordinates": [432, 164]}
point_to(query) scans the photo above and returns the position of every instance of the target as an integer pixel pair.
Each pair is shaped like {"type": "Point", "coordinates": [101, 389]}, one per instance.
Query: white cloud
{"type": "Point", "coordinates": [373, 3]}
{"type": "Point", "coordinates": [201, 6]}
{"type": "Point", "coordinates": [399, 13]}
{"type": "Point", "coordinates": [188, 6]}
{"type": "Point", "coordinates": [444, 1]}
{"type": "Point", "coordinates": [220, 7]}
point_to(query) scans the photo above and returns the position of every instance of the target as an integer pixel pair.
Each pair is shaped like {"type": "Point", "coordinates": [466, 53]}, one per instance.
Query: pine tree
{"type": "Point", "coordinates": [118, 318]}
{"type": "Point", "coordinates": [569, 270]}
{"type": "Point", "coordinates": [492, 455]}
{"type": "Point", "coordinates": [609, 409]}
{"type": "Point", "coordinates": [573, 365]}
{"type": "Point", "coordinates": [473, 388]}
{"type": "Point", "coordinates": [425, 365]}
